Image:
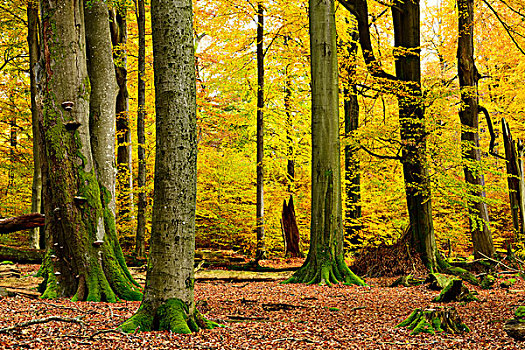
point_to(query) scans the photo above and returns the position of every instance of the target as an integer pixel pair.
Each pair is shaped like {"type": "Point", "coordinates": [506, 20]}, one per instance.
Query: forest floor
{"type": "Point", "coordinates": [263, 315]}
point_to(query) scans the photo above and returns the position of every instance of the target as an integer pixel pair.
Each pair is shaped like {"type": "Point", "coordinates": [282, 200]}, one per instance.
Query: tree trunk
{"type": "Point", "coordinates": [352, 166]}
{"type": "Point", "coordinates": [325, 261]}
{"type": "Point", "coordinates": [261, 245]}
{"type": "Point", "coordinates": [516, 193]}
{"type": "Point", "coordinates": [119, 37]}
{"type": "Point", "coordinates": [290, 166]}
{"type": "Point", "coordinates": [84, 260]}
{"type": "Point", "coordinates": [140, 240]}
{"type": "Point", "coordinates": [168, 302]}
{"type": "Point", "coordinates": [34, 57]}
{"type": "Point", "coordinates": [468, 115]}
{"type": "Point", "coordinates": [412, 128]}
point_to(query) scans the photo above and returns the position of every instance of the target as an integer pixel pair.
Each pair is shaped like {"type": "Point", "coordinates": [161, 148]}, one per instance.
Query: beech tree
{"type": "Point", "coordinates": [468, 114]}
{"type": "Point", "coordinates": [168, 302]}
{"type": "Point", "coordinates": [84, 259]}
{"type": "Point", "coordinates": [325, 262]}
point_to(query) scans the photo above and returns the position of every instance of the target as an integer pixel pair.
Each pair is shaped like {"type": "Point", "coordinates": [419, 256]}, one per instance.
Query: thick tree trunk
{"type": "Point", "coordinates": [411, 116]}
{"type": "Point", "coordinates": [83, 260]}
{"type": "Point", "coordinates": [352, 176]}
{"type": "Point", "coordinates": [468, 114]}
{"type": "Point", "coordinates": [34, 56]}
{"type": "Point", "coordinates": [119, 37]}
{"type": "Point", "coordinates": [140, 240]}
{"type": "Point", "coordinates": [169, 297]}
{"type": "Point", "coordinates": [325, 262]}
{"type": "Point", "coordinates": [261, 244]}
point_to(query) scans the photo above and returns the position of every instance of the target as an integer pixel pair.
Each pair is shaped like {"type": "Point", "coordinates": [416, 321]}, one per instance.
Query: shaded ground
{"type": "Point", "coordinates": [268, 315]}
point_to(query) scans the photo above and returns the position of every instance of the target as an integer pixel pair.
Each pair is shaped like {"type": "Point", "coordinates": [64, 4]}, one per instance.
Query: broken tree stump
{"type": "Point", "coordinates": [434, 320]}
{"type": "Point", "coordinates": [290, 230]}
{"type": "Point", "coordinates": [455, 290]}
{"type": "Point", "coordinates": [438, 281]}
{"type": "Point", "coordinates": [515, 327]}
{"type": "Point", "coordinates": [22, 222]}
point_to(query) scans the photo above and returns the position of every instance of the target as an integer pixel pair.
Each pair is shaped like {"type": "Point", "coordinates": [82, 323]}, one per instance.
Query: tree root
{"type": "Point", "coordinates": [432, 320]}
{"type": "Point", "coordinates": [172, 316]}
{"type": "Point", "coordinates": [325, 272]}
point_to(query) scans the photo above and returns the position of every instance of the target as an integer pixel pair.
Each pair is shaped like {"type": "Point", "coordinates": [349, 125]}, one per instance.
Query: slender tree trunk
{"type": "Point", "coordinates": [34, 57]}
{"type": "Point", "coordinates": [84, 259]}
{"type": "Point", "coordinates": [468, 115]}
{"type": "Point", "coordinates": [168, 302]}
{"type": "Point", "coordinates": [290, 167]}
{"type": "Point", "coordinates": [325, 261]}
{"type": "Point", "coordinates": [261, 245]}
{"type": "Point", "coordinates": [140, 241]}
{"type": "Point", "coordinates": [411, 116]}
{"type": "Point", "coordinates": [119, 37]}
{"type": "Point", "coordinates": [352, 166]}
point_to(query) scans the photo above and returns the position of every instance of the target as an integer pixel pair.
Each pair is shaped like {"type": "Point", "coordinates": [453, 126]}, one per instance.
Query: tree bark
{"type": "Point", "coordinates": [261, 245]}
{"type": "Point", "coordinates": [119, 37]}
{"type": "Point", "coordinates": [34, 57]}
{"type": "Point", "coordinates": [168, 302]}
{"type": "Point", "coordinates": [468, 115]}
{"type": "Point", "coordinates": [352, 166]}
{"type": "Point", "coordinates": [412, 128]}
{"type": "Point", "coordinates": [325, 261]}
{"type": "Point", "coordinates": [291, 231]}
{"type": "Point", "coordinates": [140, 240]}
{"type": "Point", "coordinates": [290, 166]}
{"type": "Point", "coordinates": [84, 259]}
{"type": "Point", "coordinates": [22, 222]}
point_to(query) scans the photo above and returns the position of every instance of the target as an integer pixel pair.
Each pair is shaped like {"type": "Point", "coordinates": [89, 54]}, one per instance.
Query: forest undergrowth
{"type": "Point", "coordinates": [267, 315]}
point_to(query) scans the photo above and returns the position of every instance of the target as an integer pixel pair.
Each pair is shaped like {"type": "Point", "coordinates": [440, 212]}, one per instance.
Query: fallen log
{"type": "Point", "coordinates": [21, 255]}
{"type": "Point", "coordinates": [22, 222]}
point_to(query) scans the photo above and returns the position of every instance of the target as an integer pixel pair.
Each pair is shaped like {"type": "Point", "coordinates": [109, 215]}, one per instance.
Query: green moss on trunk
{"type": "Point", "coordinates": [173, 315]}
{"type": "Point", "coordinates": [324, 270]}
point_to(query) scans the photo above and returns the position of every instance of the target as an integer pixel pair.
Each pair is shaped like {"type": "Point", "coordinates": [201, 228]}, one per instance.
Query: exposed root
{"type": "Point", "coordinates": [172, 316]}
{"type": "Point", "coordinates": [326, 272]}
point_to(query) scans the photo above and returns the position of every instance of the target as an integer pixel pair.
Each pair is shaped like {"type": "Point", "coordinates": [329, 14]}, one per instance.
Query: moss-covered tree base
{"type": "Point", "coordinates": [434, 320]}
{"type": "Point", "coordinates": [325, 271]}
{"type": "Point", "coordinates": [172, 316]}
{"type": "Point", "coordinates": [455, 290]}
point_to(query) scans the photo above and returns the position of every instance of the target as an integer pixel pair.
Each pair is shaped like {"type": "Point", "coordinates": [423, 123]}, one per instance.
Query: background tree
{"type": "Point", "coordinates": [119, 38]}
{"type": "Point", "coordinates": [84, 260]}
{"type": "Point", "coordinates": [325, 262]}
{"type": "Point", "coordinates": [34, 57]}
{"type": "Point", "coordinates": [168, 302]}
{"type": "Point", "coordinates": [470, 147]}
{"type": "Point", "coordinates": [140, 239]}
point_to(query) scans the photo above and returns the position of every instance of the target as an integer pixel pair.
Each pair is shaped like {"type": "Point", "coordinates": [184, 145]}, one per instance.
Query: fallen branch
{"type": "Point", "coordinates": [499, 263]}
{"type": "Point", "coordinates": [42, 320]}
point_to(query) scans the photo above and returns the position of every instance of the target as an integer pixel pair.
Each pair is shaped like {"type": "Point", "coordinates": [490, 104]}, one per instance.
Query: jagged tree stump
{"type": "Point", "coordinates": [515, 327]}
{"type": "Point", "coordinates": [455, 290]}
{"type": "Point", "coordinates": [434, 320]}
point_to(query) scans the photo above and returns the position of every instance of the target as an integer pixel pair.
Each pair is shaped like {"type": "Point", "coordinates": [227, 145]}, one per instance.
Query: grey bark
{"type": "Point", "coordinates": [325, 261]}
{"type": "Point", "coordinates": [78, 262]}
{"type": "Point", "coordinates": [468, 114]}
{"type": "Point", "coordinates": [261, 245]}
{"type": "Point", "coordinates": [140, 244]}
{"type": "Point", "coordinates": [104, 89]}
{"type": "Point", "coordinates": [34, 57]}
{"type": "Point", "coordinates": [170, 273]}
